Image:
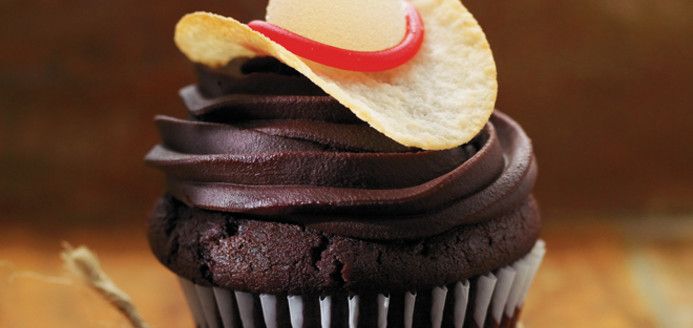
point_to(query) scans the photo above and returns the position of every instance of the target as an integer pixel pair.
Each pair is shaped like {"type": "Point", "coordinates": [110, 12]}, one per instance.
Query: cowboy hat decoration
{"type": "Point", "coordinates": [419, 71]}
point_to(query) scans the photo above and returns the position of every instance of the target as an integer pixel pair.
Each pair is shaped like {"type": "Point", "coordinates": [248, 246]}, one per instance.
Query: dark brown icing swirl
{"type": "Point", "coordinates": [265, 142]}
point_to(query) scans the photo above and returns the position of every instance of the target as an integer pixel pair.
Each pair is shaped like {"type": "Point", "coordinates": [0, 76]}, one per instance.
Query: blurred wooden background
{"type": "Point", "coordinates": [604, 88]}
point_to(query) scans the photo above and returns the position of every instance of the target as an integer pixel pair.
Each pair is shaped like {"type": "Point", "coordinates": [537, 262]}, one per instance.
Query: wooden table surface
{"type": "Point", "coordinates": [598, 273]}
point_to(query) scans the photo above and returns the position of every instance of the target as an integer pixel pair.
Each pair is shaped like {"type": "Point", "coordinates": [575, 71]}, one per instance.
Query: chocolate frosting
{"type": "Point", "coordinates": [264, 141]}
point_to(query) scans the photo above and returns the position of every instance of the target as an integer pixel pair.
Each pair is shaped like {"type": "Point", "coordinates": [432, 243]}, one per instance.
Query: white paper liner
{"type": "Point", "coordinates": [296, 310]}
{"type": "Point", "coordinates": [383, 307]}
{"type": "Point", "coordinates": [326, 311]}
{"type": "Point", "coordinates": [506, 278]}
{"type": "Point", "coordinates": [461, 301]}
{"type": "Point", "coordinates": [495, 295]}
{"type": "Point", "coordinates": [209, 306]}
{"type": "Point", "coordinates": [228, 310]}
{"type": "Point", "coordinates": [438, 305]}
{"type": "Point", "coordinates": [409, 302]}
{"type": "Point", "coordinates": [525, 269]}
{"type": "Point", "coordinates": [484, 292]}
{"type": "Point", "coordinates": [354, 311]}
{"type": "Point", "coordinates": [193, 302]}
{"type": "Point", "coordinates": [269, 310]}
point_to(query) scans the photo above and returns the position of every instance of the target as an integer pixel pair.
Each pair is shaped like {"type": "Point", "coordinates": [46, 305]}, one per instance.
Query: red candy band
{"type": "Point", "coordinates": [360, 61]}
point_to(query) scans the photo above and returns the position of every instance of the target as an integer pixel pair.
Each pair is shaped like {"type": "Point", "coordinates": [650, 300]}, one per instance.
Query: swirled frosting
{"type": "Point", "coordinates": [263, 141]}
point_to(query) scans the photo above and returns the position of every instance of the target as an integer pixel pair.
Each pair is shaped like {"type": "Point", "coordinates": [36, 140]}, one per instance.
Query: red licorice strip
{"type": "Point", "coordinates": [360, 61]}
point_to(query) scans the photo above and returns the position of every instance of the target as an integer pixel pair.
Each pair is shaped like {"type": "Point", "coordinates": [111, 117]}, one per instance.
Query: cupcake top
{"type": "Point", "coordinates": [264, 140]}
{"type": "Point", "coordinates": [277, 188]}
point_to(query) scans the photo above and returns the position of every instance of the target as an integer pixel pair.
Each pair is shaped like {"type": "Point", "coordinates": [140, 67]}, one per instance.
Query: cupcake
{"type": "Point", "coordinates": [329, 177]}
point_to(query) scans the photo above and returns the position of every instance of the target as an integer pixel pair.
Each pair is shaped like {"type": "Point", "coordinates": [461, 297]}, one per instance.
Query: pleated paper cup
{"type": "Point", "coordinates": [494, 299]}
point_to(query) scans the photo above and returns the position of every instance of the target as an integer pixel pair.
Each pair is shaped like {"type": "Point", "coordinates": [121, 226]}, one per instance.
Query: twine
{"type": "Point", "coordinates": [84, 263]}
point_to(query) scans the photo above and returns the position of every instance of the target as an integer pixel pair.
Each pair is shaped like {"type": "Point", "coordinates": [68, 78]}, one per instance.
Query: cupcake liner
{"type": "Point", "coordinates": [193, 302]}
{"type": "Point", "coordinates": [494, 299]}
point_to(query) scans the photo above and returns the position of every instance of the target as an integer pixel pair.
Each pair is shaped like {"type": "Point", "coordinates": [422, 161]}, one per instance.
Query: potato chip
{"type": "Point", "coordinates": [440, 99]}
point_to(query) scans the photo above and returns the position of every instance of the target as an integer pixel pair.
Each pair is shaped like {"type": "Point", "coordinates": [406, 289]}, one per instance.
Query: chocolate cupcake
{"type": "Point", "coordinates": [289, 205]}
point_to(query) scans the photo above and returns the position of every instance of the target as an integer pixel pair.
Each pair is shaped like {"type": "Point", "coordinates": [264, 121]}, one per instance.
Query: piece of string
{"type": "Point", "coordinates": [84, 263]}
